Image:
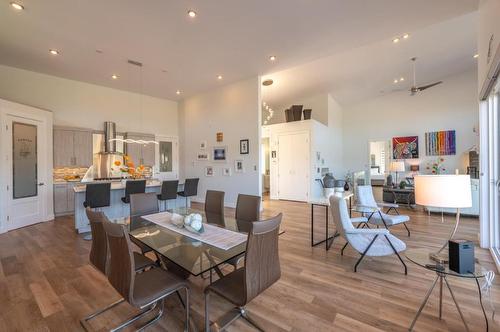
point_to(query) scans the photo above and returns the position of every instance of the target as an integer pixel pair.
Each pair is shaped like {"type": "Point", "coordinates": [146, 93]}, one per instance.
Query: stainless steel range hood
{"type": "Point", "coordinates": [104, 167]}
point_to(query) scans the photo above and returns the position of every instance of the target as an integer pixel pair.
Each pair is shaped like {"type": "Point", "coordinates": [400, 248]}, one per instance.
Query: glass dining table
{"type": "Point", "coordinates": [191, 255]}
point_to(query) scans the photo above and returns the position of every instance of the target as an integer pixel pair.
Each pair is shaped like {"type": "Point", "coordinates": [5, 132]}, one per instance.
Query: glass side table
{"type": "Point", "coordinates": [421, 258]}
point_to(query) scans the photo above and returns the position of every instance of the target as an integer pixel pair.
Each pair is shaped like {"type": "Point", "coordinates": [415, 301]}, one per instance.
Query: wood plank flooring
{"type": "Point", "coordinates": [46, 283]}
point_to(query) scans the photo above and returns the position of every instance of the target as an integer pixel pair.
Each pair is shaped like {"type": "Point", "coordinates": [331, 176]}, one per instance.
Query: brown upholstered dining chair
{"type": "Point", "coordinates": [214, 207]}
{"type": "Point", "coordinates": [261, 270]}
{"type": "Point", "coordinates": [145, 291]}
{"type": "Point", "coordinates": [99, 255]}
{"type": "Point", "coordinates": [141, 205]}
{"type": "Point", "coordinates": [247, 211]}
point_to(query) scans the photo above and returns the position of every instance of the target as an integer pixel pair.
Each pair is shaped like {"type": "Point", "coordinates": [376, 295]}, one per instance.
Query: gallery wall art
{"type": "Point", "coordinates": [405, 147]}
{"type": "Point", "coordinates": [440, 143]}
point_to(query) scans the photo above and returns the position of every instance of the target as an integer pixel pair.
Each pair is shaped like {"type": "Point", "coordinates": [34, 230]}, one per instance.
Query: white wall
{"type": "Point", "coordinates": [451, 105]}
{"type": "Point", "coordinates": [336, 139]}
{"type": "Point", "coordinates": [233, 110]}
{"type": "Point", "coordinates": [79, 104]}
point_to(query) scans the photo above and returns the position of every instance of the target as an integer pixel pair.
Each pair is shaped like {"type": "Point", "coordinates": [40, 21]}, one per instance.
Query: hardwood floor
{"type": "Point", "coordinates": [46, 283]}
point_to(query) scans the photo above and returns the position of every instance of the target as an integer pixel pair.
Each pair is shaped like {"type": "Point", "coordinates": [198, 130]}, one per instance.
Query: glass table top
{"type": "Point", "coordinates": [192, 255]}
{"type": "Point", "coordinates": [421, 257]}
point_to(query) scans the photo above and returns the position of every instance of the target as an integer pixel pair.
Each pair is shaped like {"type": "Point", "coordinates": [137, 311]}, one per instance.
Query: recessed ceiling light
{"type": "Point", "coordinates": [406, 36]}
{"type": "Point", "coordinates": [401, 79]}
{"type": "Point", "coordinates": [476, 56]}
{"type": "Point", "coordinates": [219, 77]}
{"type": "Point", "coordinates": [267, 82]}
{"type": "Point", "coordinates": [272, 58]}
{"type": "Point", "coordinates": [16, 6]}
{"type": "Point", "coordinates": [192, 13]}
{"type": "Point", "coordinates": [264, 103]}
{"type": "Point", "coordinates": [178, 92]}
{"type": "Point", "coordinates": [396, 80]}
{"type": "Point", "coordinates": [395, 40]}
{"type": "Point", "coordinates": [53, 51]}
{"type": "Point", "coordinates": [114, 76]}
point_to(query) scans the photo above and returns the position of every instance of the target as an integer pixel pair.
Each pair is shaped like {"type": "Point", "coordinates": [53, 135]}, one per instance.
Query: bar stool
{"type": "Point", "coordinates": [133, 187]}
{"type": "Point", "coordinates": [168, 192]}
{"type": "Point", "coordinates": [190, 189]}
{"type": "Point", "coordinates": [97, 195]}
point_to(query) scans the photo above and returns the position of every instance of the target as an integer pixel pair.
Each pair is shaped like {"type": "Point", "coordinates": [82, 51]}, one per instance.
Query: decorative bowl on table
{"type": "Point", "coordinates": [192, 222]}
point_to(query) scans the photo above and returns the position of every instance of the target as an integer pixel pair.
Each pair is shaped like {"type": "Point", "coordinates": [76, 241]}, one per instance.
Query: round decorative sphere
{"type": "Point", "coordinates": [187, 220]}
{"type": "Point", "coordinates": [196, 224]}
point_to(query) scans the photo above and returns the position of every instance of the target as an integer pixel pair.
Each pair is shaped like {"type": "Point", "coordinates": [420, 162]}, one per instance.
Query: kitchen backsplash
{"type": "Point", "coordinates": [69, 173]}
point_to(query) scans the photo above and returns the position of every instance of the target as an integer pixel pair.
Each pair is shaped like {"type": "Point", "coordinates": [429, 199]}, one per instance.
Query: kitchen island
{"type": "Point", "coordinates": [117, 209]}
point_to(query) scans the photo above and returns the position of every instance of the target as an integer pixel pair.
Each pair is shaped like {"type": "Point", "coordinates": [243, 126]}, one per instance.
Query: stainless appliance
{"type": "Point", "coordinates": [104, 167]}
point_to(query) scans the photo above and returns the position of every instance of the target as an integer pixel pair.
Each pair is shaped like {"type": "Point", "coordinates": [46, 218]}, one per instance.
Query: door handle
{"type": "Point", "coordinates": [41, 184]}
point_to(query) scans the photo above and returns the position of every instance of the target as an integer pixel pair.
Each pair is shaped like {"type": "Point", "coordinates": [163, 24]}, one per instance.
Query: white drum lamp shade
{"type": "Point", "coordinates": [444, 191]}
{"type": "Point", "coordinates": [397, 166]}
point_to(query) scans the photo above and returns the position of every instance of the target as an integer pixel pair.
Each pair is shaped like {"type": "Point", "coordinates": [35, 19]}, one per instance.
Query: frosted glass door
{"type": "Point", "coordinates": [24, 160]}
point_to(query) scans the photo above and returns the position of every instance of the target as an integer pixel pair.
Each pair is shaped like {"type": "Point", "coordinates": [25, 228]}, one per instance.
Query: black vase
{"type": "Point", "coordinates": [307, 114]}
{"type": "Point", "coordinates": [346, 186]}
{"type": "Point", "coordinates": [297, 112]}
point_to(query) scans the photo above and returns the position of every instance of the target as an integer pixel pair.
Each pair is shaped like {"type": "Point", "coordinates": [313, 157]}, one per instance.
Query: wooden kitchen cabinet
{"type": "Point", "coordinates": [139, 153]}
{"type": "Point", "coordinates": [72, 147]}
{"type": "Point", "coordinates": [64, 198]}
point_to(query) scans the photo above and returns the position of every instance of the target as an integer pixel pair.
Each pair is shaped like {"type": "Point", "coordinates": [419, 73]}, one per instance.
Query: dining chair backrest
{"type": "Point", "coordinates": [262, 263]}
{"type": "Point", "coordinates": [365, 196]}
{"type": "Point", "coordinates": [169, 189]}
{"type": "Point", "coordinates": [247, 211]}
{"type": "Point", "coordinates": [97, 195]}
{"type": "Point", "coordinates": [191, 187]}
{"type": "Point", "coordinates": [143, 204]}
{"type": "Point", "coordinates": [214, 207]}
{"type": "Point", "coordinates": [340, 214]}
{"type": "Point", "coordinates": [121, 266]}
{"type": "Point", "coordinates": [134, 187]}
{"type": "Point", "coordinates": [99, 249]}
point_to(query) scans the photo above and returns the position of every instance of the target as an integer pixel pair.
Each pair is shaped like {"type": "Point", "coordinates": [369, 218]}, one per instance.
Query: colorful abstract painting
{"type": "Point", "coordinates": [405, 147]}
{"type": "Point", "coordinates": [440, 143]}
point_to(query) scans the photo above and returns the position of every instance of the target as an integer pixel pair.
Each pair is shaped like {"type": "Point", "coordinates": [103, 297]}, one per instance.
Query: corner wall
{"type": "Point", "coordinates": [234, 110]}
{"type": "Point", "coordinates": [452, 105]}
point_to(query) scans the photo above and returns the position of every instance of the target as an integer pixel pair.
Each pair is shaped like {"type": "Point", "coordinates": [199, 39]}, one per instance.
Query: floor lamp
{"type": "Point", "coordinates": [444, 191]}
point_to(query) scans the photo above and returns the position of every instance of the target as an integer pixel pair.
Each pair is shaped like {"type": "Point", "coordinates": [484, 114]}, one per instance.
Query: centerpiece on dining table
{"type": "Point", "coordinates": [192, 222]}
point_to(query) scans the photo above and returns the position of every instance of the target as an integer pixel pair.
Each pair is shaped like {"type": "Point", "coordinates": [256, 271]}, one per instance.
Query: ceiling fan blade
{"type": "Point", "coordinates": [423, 87]}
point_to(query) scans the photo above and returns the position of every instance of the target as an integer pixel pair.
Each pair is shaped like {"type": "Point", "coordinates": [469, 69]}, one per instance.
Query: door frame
{"type": "Point", "coordinates": [45, 119]}
{"type": "Point", "coordinates": [308, 185]}
{"type": "Point", "coordinates": [175, 157]}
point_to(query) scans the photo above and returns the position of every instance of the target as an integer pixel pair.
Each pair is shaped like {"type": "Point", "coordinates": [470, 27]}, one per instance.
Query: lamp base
{"type": "Point", "coordinates": [441, 258]}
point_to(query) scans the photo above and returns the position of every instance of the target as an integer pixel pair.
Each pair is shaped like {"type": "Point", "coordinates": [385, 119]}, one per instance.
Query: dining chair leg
{"type": "Point", "coordinates": [252, 322]}
{"type": "Point", "coordinates": [84, 322]}
{"type": "Point", "coordinates": [364, 253]}
{"type": "Point", "coordinates": [136, 317]}
{"type": "Point", "coordinates": [187, 308]}
{"type": "Point", "coordinates": [207, 319]}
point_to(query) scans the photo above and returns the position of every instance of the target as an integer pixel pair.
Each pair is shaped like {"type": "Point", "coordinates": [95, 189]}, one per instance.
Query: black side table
{"type": "Point", "coordinates": [421, 258]}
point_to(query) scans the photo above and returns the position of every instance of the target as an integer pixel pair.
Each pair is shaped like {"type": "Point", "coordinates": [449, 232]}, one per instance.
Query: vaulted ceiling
{"type": "Point", "coordinates": [229, 38]}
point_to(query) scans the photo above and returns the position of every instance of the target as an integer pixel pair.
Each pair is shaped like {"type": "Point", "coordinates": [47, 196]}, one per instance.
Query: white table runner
{"type": "Point", "coordinates": [219, 237]}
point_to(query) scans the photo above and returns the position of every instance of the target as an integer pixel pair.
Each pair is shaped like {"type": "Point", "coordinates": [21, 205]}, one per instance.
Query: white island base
{"type": "Point", "coordinates": [117, 209]}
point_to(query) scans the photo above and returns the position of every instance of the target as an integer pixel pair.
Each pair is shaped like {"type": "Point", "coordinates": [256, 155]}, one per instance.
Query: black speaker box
{"type": "Point", "coordinates": [461, 256]}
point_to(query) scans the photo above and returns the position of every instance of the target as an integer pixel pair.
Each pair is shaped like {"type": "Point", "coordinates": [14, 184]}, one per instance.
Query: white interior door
{"type": "Point", "coordinates": [167, 157]}
{"type": "Point", "coordinates": [25, 171]}
{"type": "Point", "coordinates": [293, 166]}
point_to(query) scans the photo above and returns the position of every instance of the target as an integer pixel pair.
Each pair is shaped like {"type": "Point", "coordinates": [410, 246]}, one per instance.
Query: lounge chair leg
{"type": "Point", "coordinates": [407, 229]}
{"type": "Point", "coordinates": [397, 254]}
{"type": "Point", "coordinates": [364, 253]}
{"type": "Point", "coordinates": [342, 250]}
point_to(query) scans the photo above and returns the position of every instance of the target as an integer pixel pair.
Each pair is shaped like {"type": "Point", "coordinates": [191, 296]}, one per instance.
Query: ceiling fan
{"type": "Point", "coordinates": [415, 89]}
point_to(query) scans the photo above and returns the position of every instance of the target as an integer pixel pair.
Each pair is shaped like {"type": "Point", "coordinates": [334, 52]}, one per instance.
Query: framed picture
{"type": "Point", "coordinates": [219, 153]}
{"type": "Point", "coordinates": [273, 154]}
{"type": "Point", "coordinates": [238, 166]}
{"type": "Point", "coordinates": [244, 146]}
{"type": "Point", "coordinates": [441, 143]}
{"type": "Point", "coordinates": [219, 137]}
{"type": "Point", "coordinates": [203, 156]}
{"type": "Point", "coordinates": [203, 145]}
{"type": "Point", "coordinates": [405, 147]}
{"type": "Point", "coordinates": [226, 171]}
{"type": "Point", "coordinates": [209, 171]}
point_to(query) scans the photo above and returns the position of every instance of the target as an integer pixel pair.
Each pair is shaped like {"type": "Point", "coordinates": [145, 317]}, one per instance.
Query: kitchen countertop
{"type": "Point", "coordinates": [80, 188]}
